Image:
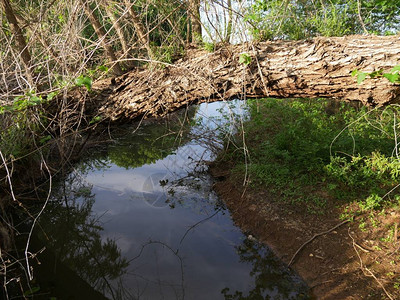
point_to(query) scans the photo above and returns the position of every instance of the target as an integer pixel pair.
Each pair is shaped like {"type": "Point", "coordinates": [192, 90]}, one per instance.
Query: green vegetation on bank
{"type": "Point", "coordinates": [309, 152]}
{"type": "Point", "coordinates": [294, 20]}
{"type": "Point", "coordinates": [22, 131]}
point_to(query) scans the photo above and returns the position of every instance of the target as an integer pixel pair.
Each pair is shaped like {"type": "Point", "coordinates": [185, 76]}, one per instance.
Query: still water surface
{"type": "Point", "coordinates": [137, 218]}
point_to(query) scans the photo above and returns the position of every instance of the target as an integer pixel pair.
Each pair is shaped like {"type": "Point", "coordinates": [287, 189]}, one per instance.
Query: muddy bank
{"type": "Point", "coordinates": [334, 265]}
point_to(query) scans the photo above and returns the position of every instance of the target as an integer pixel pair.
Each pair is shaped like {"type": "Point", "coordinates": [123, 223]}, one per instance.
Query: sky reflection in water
{"type": "Point", "coordinates": [169, 226]}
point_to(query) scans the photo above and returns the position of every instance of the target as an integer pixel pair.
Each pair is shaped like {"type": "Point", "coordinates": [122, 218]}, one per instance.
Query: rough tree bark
{"type": "Point", "coordinates": [314, 68]}
{"type": "Point", "coordinates": [20, 42]}
{"type": "Point", "coordinates": [229, 26]}
{"type": "Point", "coordinates": [194, 17]}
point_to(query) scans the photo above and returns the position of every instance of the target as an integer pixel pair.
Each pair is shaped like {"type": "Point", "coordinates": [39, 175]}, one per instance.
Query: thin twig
{"type": "Point", "coordinates": [363, 269]}
{"type": "Point", "coordinates": [8, 176]}
{"type": "Point", "coordinates": [360, 17]}
{"type": "Point", "coordinates": [36, 219]}
{"type": "Point", "coordinates": [315, 236]}
{"type": "Point", "coordinates": [348, 126]}
{"type": "Point", "coordinates": [363, 249]}
{"type": "Point", "coordinates": [198, 223]}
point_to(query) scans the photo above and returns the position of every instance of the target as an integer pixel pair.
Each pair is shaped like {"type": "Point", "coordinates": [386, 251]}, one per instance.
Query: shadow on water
{"type": "Point", "coordinates": [137, 219]}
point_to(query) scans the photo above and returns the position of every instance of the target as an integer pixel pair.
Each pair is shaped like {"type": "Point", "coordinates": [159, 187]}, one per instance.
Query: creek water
{"type": "Point", "coordinates": [136, 218]}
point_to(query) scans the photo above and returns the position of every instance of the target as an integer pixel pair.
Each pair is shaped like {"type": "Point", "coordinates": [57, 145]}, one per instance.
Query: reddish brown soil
{"type": "Point", "coordinates": [333, 265]}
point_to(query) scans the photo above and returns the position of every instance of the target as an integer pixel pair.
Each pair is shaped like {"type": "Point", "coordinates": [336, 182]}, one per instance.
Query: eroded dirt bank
{"type": "Point", "coordinates": [344, 263]}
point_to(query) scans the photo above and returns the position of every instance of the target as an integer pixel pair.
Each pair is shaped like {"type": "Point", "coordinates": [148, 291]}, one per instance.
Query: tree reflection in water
{"type": "Point", "coordinates": [73, 235]}
{"type": "Point", "coordinates": [68, 227]}
{"type": "Point", "coordinates": [173, 253]}
{"type": "Point", "coordinates": [271, 279]}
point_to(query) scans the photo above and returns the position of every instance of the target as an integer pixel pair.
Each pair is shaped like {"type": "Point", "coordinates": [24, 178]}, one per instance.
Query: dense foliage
{"type": "Point", "coordinates": [303, 19]}
{"type": "Point", "coordinates": [301, 148]}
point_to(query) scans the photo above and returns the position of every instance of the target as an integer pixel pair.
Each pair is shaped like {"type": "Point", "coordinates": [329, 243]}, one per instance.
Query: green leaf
{"type": "Point", "coordinates": [32, 291]}
{"type": "Point", "coordinates": [95, 120]}
{"type": "Point", "coordinates": [361, 77]}
{"type": "Point", "coordinates": [393, 78]}
{"type": "Point", "coordinates": [354, 73]}
{"type": "Point", "coordinates": [245, 59]}
{"type": "Point", "coordinates": [18, 98]}
{"type": "Point", "coordinates": [45, 139]}
{"type": "Point", "coordinates": [103, 68]}
{"type": "Point", "coordinates": [395, 69]}
{"type": "Point", "coordinates": [376, 74]}
{"type": "Point", "coordinates": [51, 95]}
{"type": "Point", "coordinates": [35, 100]}
{"type": "Point", "coordinates": [84, 80]}
{"type": "Point", "coordinates": [30, 93]}
{"type": "Point", "coordinates": [8, 108]}
{"type": "Point", "coordinates": [210, 47]}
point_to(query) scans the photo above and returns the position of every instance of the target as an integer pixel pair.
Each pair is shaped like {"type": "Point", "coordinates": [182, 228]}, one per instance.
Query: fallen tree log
{"type": "Point", "coordinates": [319, 67]}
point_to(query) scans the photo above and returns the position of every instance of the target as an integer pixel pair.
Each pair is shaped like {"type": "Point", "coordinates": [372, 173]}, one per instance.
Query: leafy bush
{"type": "Point", "coordinates": [274, 19]}
{"type": "Point", "coordinates": [365, 171]}
{"type": "Point", "coordinates": [304, 148]}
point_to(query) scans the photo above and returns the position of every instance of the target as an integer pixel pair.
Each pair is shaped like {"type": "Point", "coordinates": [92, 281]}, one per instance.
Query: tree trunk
{"type": "Point", "coordinates": [307, 69]}
{"type": "Point", "coordinates": [20, 42]}
{"type": "Point", "coordinates": [118, 28]}
{"type": "Point", "coordinates": [230, 23]}
{"type": "Point", "coordinates": [102, 36]}
{"type": "Point", "coordinates": [143, 37]}
{"type": "Point", "coordinates": [194, 17]}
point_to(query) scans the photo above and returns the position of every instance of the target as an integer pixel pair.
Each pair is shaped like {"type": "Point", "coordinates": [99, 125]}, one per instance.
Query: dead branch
{"type": "Point", "coordinates": [315, 236]}
{"type": "Point", "coordinates": [364, 268]}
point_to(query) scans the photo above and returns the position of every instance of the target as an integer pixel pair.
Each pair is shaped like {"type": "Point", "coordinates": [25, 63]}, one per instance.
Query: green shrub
{"type": "Point", "coordinates": [300, 148]}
